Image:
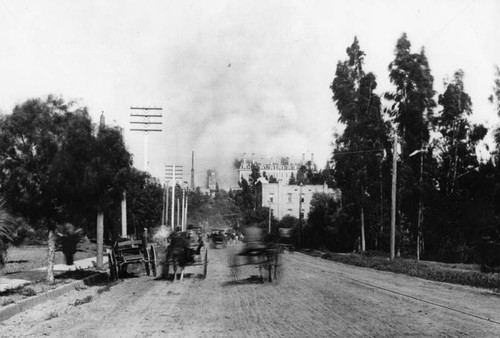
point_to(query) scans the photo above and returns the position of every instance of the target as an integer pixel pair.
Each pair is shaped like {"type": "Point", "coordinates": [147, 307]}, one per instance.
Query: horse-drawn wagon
{"type": "Point", "coordinates": [185, 248]}
{"type": "Point", "coordinates": [286, 239]}
{"type": "Point", "coordinates": [263, 253]}
{"type": "Point", "coordinates": [127, 251]}
{"type": "Point", "coordinates": [218, 239]}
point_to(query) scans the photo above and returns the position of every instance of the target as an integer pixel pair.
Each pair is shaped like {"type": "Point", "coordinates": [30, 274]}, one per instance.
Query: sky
{"type": "Point", "coordinates": [232, 77]}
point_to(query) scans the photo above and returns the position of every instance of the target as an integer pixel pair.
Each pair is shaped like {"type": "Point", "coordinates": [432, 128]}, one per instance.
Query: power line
{"type": "Point", "coordinates": [358, 152]}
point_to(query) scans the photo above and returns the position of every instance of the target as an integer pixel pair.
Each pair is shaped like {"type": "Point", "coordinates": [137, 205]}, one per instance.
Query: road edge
{"type": "Point", "coordinates": [13, 309]}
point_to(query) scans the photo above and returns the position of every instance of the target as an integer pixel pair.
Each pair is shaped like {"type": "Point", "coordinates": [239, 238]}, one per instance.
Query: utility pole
{"type": "Point", "coordinates": [100, 239]}
{"type": "Point", "coordinates": [183, 220]}
{"type": "Point", "coordinates": [269, 231]}
{"type": "Point", "coordinates": [166, 205]}
{"type": "Point", "coordinates": [300, 216]}
{"type": "Point", "coordinates": [163, 206]}
{"type": "Point", "coordinates": [148, 122]}
{"type": "Point", "coordinates": [393, 195]}
{"type": "Point", "coordinates": [124, 213]}
{"type": "Point", "coordinates": [172, 172]}
{"type": "Point", "coordinates": [186, 212]}
{"type": "Point", "coordinates": [178, 213]}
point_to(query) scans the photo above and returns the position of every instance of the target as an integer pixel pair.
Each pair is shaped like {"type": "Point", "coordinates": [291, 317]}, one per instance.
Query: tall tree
{"type": "Point", "coordinates": [356, 166]}
{"type": "Point", "coordinates": [412, 109]}
{"type": "Point", "coordinates": [458, 138]}
{"type": "Point", "coordinates": [54, 169]}
{"type": "Point", "coordinates": [144, 200]}
{"type": "Point", "coordinates": [495, 99]}
{"type": "Point", "coordinates": [36, 138]}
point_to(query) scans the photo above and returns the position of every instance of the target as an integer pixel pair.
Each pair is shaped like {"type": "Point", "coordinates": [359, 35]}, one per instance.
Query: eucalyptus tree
{"type": "Point", "coordinates": [457, 161]}
{"type": "Point", "coordinates": [356, 166]}
{"type": "Point", "coordinates": [458, 137]}
{"type": "Point", "coordinates": [411, 109]}
{"type": "Point", "coordinates": [495, 99]}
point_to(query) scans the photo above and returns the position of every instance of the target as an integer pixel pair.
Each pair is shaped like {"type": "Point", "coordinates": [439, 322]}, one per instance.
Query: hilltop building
{"type": "Point", "coordinates": [279, 169]}
{"type": "Point", "coordinates": [211, 180]}
{"type": "Point", "coordinates": [285, 200]}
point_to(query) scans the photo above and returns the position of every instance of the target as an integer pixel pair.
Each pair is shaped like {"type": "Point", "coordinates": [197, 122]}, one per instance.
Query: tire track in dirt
{"type": "Point", "coordinates": [472, 299]}
{"type": "Point", "coordinates": [316, 298]}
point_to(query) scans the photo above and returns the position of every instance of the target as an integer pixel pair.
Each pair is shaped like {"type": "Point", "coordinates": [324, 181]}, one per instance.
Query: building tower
{"type": "Point", "coordinates": [102, 121]}
{"type": "Point", "coordinates": [192, 171]}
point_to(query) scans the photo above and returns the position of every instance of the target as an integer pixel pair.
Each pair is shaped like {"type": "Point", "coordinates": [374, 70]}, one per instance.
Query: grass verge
{"type": "Point", "coordinates": [464, 274]}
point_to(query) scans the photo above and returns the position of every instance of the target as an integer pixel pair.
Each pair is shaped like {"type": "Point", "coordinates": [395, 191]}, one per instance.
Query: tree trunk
{"type": "Point", "coordinates": [51, 256]}
{"type": "Point", "coordinates": [362, 230]}
{"type": "Point", "coordinates": [100, 232]}
{"type": "Point", "coordinates": [381, 235]}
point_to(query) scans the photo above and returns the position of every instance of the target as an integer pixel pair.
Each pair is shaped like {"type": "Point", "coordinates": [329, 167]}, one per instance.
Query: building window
{"type": "Point", "coordinates": [289, 197]}
{"type": "Point", "coordinates": [271, 197]}
{"type": "Point", "coordinates": [289, 211]}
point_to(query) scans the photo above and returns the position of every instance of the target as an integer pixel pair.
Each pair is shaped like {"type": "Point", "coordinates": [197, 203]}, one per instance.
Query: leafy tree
{"type": "Point", "coordinates": [218, 211]}
{"type": "Point", "coordinates": [458, 138]}
{"type": "Point", "coordinates": [356, 166]}
{"type": "Point", "coordinates": [55, 169]}
{"type": "Point", "coordinates": [301, 175]}
{"type": "Point", "coordinates": [322, 228]}
{"type": "Point", "coordinates": [495, 99]}
{"type": "Point", "coordinates": [412, 109]}
{"type": "Point", "coordinates": [144, 200]}
{"type": "Point", "coordinates": [37, 138]}
{"type": "Point", "coordinates": [245, 199]}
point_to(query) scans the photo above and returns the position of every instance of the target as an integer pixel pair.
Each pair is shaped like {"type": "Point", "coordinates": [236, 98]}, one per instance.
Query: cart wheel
{"type": "Point", "coordinates": [117, 267]}
{"type": "Point", "coordinates": [166, 266]}
{"type": "Point", "coordinates": [205, 264]}
{"type": "Point", "coordinates": [153, 260]}
{"type": "Point", "coordinates": [112, 266]}
{"type": "Point", "coordinates": [277, 267]}
{"type": "Point", "coordinates": [234, 271]}
{"type": "Point", "coordinates": [146, 261]}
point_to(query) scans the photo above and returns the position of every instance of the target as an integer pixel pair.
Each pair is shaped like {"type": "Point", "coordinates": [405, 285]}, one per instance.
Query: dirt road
{"type": "Point", "coordinates": [316, 298]}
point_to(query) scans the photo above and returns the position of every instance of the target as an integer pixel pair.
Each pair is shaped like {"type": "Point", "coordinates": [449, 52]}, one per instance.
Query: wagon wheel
{"type": "Point", "coordinates": [234, 270]}
{"type": "Point", "coordinates": [146, 261]}
{"type": "Point", "coordinates": [153, 260]}
{"type": "Point", "coordinates": [166, 267]}
{"type": "Point", "coordinates": [205, 263]}
{"type": "Point", "coordinates": [277, 267]}
{"type": "Point", "coordinates": [269, 266]}
{"type": "Point", "coordinates": [113, 268]}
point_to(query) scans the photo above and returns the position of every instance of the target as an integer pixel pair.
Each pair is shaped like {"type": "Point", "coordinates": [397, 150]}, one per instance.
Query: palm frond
{"type": "Point", "coordinates": [7, 225]}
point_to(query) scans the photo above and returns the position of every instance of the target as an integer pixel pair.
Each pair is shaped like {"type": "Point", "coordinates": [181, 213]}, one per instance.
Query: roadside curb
{"type": "Point", "coordinates": [13, 309]}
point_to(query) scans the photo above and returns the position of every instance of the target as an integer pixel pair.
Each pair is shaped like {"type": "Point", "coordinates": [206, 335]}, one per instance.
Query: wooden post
{"type": "Point", "coordinates": [300, 218]}
{"type": "Point", "coordinates": [100, 237]}
{"type": "Point", "coordinates": [183, 217]}
{"type": "Point", "coordinates": [178, 213]}
{"type": "Point", "coordinates": [173, 203]}
{"type": "Point", "coordinates": [163, 206]}
{"type": "Point", "coordinates": [124, 214]}
{"type": "Point", "coordinates": [393, 195]}
{"type": "Point", "coordinates": [166, 205]}
{"type": "Point", "coordinates": [186, 212]}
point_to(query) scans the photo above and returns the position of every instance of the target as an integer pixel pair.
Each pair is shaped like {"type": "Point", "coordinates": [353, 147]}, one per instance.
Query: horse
{"type": "Point", "coordinates": [178, 254]}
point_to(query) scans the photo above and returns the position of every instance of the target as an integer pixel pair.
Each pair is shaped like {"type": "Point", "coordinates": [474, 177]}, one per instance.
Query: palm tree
{"type": "Point", "coordinates": [7, 228]}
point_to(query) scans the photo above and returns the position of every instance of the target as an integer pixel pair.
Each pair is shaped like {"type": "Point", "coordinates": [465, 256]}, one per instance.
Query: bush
{"type": "Point", "coordinates": [441, 272]}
